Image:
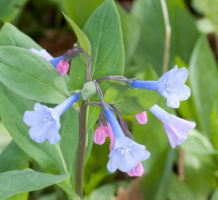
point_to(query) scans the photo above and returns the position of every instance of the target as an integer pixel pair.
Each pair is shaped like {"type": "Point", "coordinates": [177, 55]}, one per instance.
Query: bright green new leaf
{"type": "Point", "coordinates": [31, 76]}
{"type": "Point", "coordinates": [19, 181]}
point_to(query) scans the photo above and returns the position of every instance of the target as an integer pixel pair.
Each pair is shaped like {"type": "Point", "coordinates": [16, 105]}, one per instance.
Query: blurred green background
{"type": "Point", "coordinates": [189, 172]}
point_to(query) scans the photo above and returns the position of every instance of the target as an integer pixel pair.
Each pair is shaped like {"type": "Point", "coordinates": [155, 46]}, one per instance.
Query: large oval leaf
{"type": "Point", "coordinates": [105, 35]}
{"type": "Point", "coordinates": [18, 181]}
{"type": "Point", "coordinates": [11, 36]}
{"type": "Point", "coordinates": [12, 107]}
{"type": "Point", "coordinates": [31, 76]}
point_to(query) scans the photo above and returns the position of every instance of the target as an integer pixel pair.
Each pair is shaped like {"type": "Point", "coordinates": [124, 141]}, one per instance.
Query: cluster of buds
{"type": "Point", "coordinates": [125, 154]}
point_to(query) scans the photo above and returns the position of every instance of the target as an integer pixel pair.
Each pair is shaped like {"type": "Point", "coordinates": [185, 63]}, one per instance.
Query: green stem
{"type": "Point", "coordinates": [167, 36]}
{"type": "Point", "coordinates": [81, 150]}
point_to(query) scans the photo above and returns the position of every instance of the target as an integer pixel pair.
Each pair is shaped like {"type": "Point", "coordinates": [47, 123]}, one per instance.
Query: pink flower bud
{"type": "Point", "coordinates": [137, 171]}
{"type": "Point", "coordinates": [100, 135]}
{"type": "Point", "coordinates": [141, 118]}
{"type": "Point", "coordinates": [110, 134]}
{"type": "Point", "coordinates": [62, 67]}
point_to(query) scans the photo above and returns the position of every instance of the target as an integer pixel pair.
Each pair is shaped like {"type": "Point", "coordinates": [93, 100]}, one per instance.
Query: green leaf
{"type": "Point", "coordinates": [20, 196]}
{"type": "Point", "coordinates": [106, 192]}
{"type": "Point", "coordinates": [82, 38]}
{"type": "Point", "coordinates": [31, 76]}
{"type": "Point", "coordinates": [214, 125]}
{"type": "Point", "coordinates": [70, 140]}
{"type": "Point", "coordinates": [68, 189]}
{"type": "Point", "coordinates": [11, 36]}
{"type": "Point", "coordinates": [215, 195]}
{"type": "Point", "coordinates": [198, 144]}
{"type": "Point", "coordinates": [203, 82]}
{"type": "Point", "coordinates": [5, 137]}
{"type": "Point", "coordinates": [77, 72]}
{"type": "Point", "coordinates": [12, 108]}
{"type": "Point", "coordinates": [19, 181]}
{"type": "Point", "coordinates": [178, 190]}
{"type": "Point", "coordinates": [10, 9]}
{"type": "Point", "coordinates": [131, 32]}
{"type": "Point", "coordinates": [79, 10]}
{"type": "Point", "coordinates": [130, 101]}
{"type": "Point", "coordinates": [150, 47]}
{"type": "Point", "coordinates": [103, 30]}
{"type": "Point", "coordinates": [199, 176]}
{"type": "Point", "coordinates": [12, 157]}
{"type": "Point", "coordinates": [156, 183]}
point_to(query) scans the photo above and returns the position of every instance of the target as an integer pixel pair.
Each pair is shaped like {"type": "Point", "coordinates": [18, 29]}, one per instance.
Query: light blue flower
{"type": "Point", "coordinates": [125, 154]}
{"type": "Point", "coordinates": [45, 121]}
{"type": "Point", "coordinates": [171, 86]}
{"type": "Point", "coordinates": [44, 54]}
{"type": "Point", "coordinates": [176, 128]}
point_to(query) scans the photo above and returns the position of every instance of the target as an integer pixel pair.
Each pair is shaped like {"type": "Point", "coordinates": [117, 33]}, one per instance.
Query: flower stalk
{"type": "Point", "coordinates": [82, 134]}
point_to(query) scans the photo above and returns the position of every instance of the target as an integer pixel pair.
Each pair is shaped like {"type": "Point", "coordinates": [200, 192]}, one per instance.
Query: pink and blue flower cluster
{"type": "Point", "coordinates": [125, 155]}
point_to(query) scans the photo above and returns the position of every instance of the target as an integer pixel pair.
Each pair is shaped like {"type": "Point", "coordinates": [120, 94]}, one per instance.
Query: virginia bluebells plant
{"type": "Point", "coordinates": [125, 154]}
{"type": "Point", "coordinates": [171, 86]}
{"type": "Point", "coordinates": [176, 128]}
{"type": "Point", "coordinates": [45, 121]}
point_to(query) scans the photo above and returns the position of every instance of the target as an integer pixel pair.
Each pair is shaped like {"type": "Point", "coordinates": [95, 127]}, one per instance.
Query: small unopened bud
{"type": "Point", "coordinates": [89, 89]}
{"type": "Point", "coordinates": [71, 53]}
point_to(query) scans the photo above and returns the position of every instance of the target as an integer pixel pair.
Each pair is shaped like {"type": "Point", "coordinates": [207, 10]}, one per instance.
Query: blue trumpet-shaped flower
{"type": "Point", "coordinates": [44, 54]}
{"type": "Point", "coordinates": [176, 128]}
{"type": "Point", "coordinates": [45, 121]}
{"type": "Point", "coordinates": [171, 86]}
{"type": "Point", "coordinates": [125, 154]}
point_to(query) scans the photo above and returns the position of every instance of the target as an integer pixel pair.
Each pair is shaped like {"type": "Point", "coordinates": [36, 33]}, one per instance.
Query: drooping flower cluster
{"type": "Point", "coordinates": [125, 154]}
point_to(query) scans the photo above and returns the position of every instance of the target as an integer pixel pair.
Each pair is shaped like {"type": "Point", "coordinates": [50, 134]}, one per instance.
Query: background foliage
{"type": "Point", "coordinates": [124, 37]}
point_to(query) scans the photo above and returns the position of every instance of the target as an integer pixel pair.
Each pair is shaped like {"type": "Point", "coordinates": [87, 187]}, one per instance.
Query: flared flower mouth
{"type": "Point", "coordinates": [126, 154]}
{"type": "Point", "coordinates": [172, 86]}
{"type": "Point", "coordinates": [177, 130]}
{"type": "Point", "coordinates": [44, 123]}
